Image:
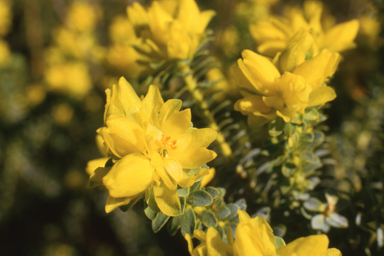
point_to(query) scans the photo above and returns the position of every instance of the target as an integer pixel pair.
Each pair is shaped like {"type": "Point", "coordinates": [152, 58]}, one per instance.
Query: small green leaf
{"type": "Point", "coordinates": [150, 213]}
{"type": "Point", "coordinates": [199, 198]}
{"type": "Point", "coordinates": [242, 204]}
{"type": "Point", "coordinates": [279, 230]}
{"type": "Point", "coordinates": [288, 169]}
{"type": "Point", "coordinates": [195, 187]}
{"type": "Point", "coordinates": [336, 220]}
{"type": "Point", "coordinates": [174, 224]}
{"type": "Point", "coordinates": [208, 219]}
{"type": "Point", "coordinates": [289, 129]}
{"type": "Point", "coordinates": [151, 201]}
{"type": "Point", "coordinates": [213, 192]}
{"type": "Point", "coordinates": [276, 127]}
{"type": "Point", "coordinates": [223, 213]}
{"type": "Point", "coordinates": [314, 205]}
{"type": "Point", "coordinates": [233, 208]}
{"type": "Point", "coordinates": [279, 242]}
{"type": "Point", "coordinates": [183, 192]}
{"type": "Point", "coordinates": [311, 114]}
{"type": "Point", "coordinates": [188, 220]}
{"type": "Point", "coordinates": [159, 221]}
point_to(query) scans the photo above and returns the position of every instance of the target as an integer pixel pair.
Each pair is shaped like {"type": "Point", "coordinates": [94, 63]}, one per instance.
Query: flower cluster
{"type": "Point", "coordinates": [268, 93]}
{"type": "Point", "coordinates": [169, 29]}
{"type": "Point", "coordinates": [255, 237]}
{"type": "Point", "coordinates": [152, 145]}
{"type": "Point", "coordinates": [274, 35]}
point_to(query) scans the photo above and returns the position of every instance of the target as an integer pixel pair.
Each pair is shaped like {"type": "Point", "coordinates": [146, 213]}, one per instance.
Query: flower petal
{"type": "Point", "coordinates": [341, 36]}
{"type": "Point", "coordinates": [113, 203]}
{"type": "Point", "coordinates": [203, 137]}
{"type": "Point", "coordinates": [130, 101]}
{"type": "Point", "coordinates": [167, 200]}
{"type": "Point", "coordinates": [152, 103]}
{"type": "Point", "coordinates": [253, 237]}
{"type": "Point", "coordinates": [97, 176]}
{"type": "Point", "coordinates": [315, 245]}
{"type": "Point", "coordinates": [321, 95]}
{"type": "Point", "coordinates": [177, 123]}
{"type": "Point", "coordinates": [188, 181]}
{"type": "Point", "coordinates": [94, 164]}
{"type": "Point", "coordinates": [215, 245]}
{"type": "Point", "coordinates": [169, 108]}
{"type": "Point", "coordinates": [129, 176]}
{"type": "Point", "coordinates": [333, 252]}
{"type": "Point", "coordinates": [259, 70]}
{"type": "Point", "coordinates": [195, 157]}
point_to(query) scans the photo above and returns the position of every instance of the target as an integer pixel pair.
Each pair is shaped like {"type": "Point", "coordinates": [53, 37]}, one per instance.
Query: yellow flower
{"type": "Point", "coordinates": [6, 17]}
{"type": "Point", "coordinates": [267, 94]}
{"type": "Point", "coordinates": [169, 29]}
{"type": "Point", "coordinates": [76, 13]}
{"type": "Point", "coordinates": [153, 146]}
{"type": "Point", "coordinates": [254, 237]}
{"type": "Point", "coordinates": [273, 36]}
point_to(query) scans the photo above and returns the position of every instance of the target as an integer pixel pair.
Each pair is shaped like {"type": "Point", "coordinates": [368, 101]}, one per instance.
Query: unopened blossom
{"type": "Point", "coordinates": [254, 237]}
{"type": "Point", "coordinates": [274, 35]}
{"type": "Point", "coordinates": [153, 146]}
{"type": "Point", "coordinates": [269, 94]}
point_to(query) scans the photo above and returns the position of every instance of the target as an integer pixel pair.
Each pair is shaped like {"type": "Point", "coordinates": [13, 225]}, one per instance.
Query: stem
{"type": "Point", "coordinates": [191, 83]}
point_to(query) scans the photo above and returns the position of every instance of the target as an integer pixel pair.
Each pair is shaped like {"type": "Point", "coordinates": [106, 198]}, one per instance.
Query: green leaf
{"type": "Point", "coordinates": [213, 192]}
{"type": "Point", "coordinates": [150, 213]}
{"type": "Point", "coordinates": [289, 129]}
{"type": "Point", "coordinates": [208, 219]}
{"type": "Point", "coordinates": [287, 169]}
{"type": "Point", "coordinates": [242, 204]}
{"type": "Point", "coordinates": [159, 221]}
{"type": "Point", "coordinates": [199, 198]}
{"type": "Point", "coordinates": [233, 208]}
{"type": "Point", "coordinates": [151, 201]}
{"type": "Point", "coordinates": [276, 127]}
{"type": "Point", "coordinates": [311, 114]}
{"type": "Point", "coordinates": [336, 220]}
{"type": "Point", "coordinates": [188, 220]}
{"type": "Point", "coordinates": [183, 192]}
{"type": "Point", "coordinates": [125, 208]}
{"type": "Point", "coordinates": [279, 242]}
{"type": "Point", "coordinates": [223, 213]}
{"type": "Point", "coordinates": [195, 187]}
{"type": "Point", "coordinates": [174, 224]}
{"type": "Point", "coordinates": [182, 204]}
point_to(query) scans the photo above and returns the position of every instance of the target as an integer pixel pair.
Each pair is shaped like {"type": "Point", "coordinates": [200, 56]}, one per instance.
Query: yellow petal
{"type": "Point", "coordinates": [315, 245]}
{"type": "Point", "coordinates": [188, 238]}
{"type": "Point", "coordinates": [215, 245]}
{"type": "Point", "coordinates": [113, 105]}
{"type": "Point", "coordinates": [204, 18]}
{"type": "Point", "coordinates": [200, 234]}
{"type": "Point", "coordinates": [265, 31]}
{"type": "Point", "coordinates": [129, 176]}
{"type": "Point", "coordinates": [94, 164]}
{"type": "Point", "coordinates": [195, 157]}
{"type": "Point", "coordinates": [317, 69]}
{"type": "Point", "coordinates": [113, 203]}
{"type": "Point", "coordinates": [333, 252]}
{"type": "Point", "coordinates": [137, 15]}
{"type": "Point", "coordinates": [207, 178]}
{"type": "Point", "coordinates": [253, 237]}
{"type": "Point", "coordinates": [271, 48]}
{"type": "Point", "coordinates": [128, 130]}
{"type": "Point", "coordinates": [167, 200]}
{"type": "Point", "coordinates": [159, 23]}
{"type": "Point", "coordinates": [258, 121]}
{"type": "Point", "coordinates": [169, 108]}
{"type": "Point", "coordinates": [97, 176]}
{"type": "Point", "coordinates": [158, 162]}
{"type": "Point", "coordinates": [174, 169]}
{"type": "Point", "coordinates": [188, 12]}
{"type": "Point", "coordinates": [242, 81]}
{"type": "Point", "coordinates": [321, 95]}
{"type": "Point", "coordinates": [252, 103]}
{"type": "Point", "coordinates": [177, 123]}
{"type": "Point", "coordinates": [130, 101]}
{"type": "Point", "coordinates": [152, 103]}
{"type": "Point", "coordinates": [203, 137]}
{"type": "Point", "coordinates": [188, 181]}
{"type": "Point", "coordinates": [117, 145]}
{"type": "Point", "coordinates": [259, 70]}
{"type": "Point", "coordinates": [341, 36]}
{"type": "Point", "coordinates": [295, 53]}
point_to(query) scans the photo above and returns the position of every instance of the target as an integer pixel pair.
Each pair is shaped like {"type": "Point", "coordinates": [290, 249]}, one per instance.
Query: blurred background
{"type": "Point", "coordinates": [56, 59]}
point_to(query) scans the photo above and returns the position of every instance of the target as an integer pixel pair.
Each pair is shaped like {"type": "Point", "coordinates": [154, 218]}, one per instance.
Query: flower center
{"type": "Point", "coordinates": [166, 144]}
